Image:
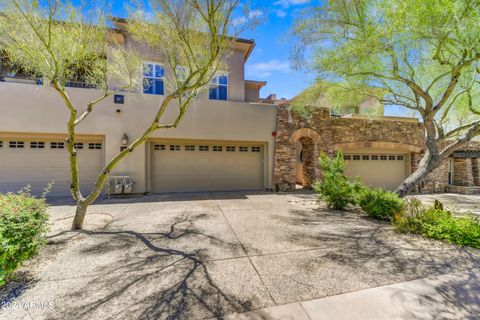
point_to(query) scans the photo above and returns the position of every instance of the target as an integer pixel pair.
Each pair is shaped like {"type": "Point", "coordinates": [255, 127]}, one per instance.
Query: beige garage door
{"type": "Point", "coordinates": [377, 170]}
{"type": "Point", "coordinates": [37, 161]}
{"type": "Point", "coordinates": [177, 167]}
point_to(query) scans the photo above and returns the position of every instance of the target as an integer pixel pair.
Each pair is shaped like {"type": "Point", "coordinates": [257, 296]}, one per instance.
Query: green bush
{"type": "Point", "coordinates": [438, 224]}
{"type": "Point", "coordinates": [334, 188]}
{"type": "Point", "coordinates": [23, 227]}
{"type": "Point", "coordinates": [378, 203]}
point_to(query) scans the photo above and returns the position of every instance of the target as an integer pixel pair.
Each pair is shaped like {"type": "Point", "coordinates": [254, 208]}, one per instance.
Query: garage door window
{"type": "Point", "coordinates": [16, 144]}
{"type": "Point", "coordinates": [175, 147]}
{"type": "Point", "coordinates": [347, 157]}
{"type": "Point", "coordinates": [374, 157]}
{"type": "Point", "coordinates": [78, 145]}
{"type": "Point", "coordinates": [203, 148]}
{"type": "Point", "coordinates": [383, 157]}
{"type": "Point", "coordinates": [217, 148]}
{"type": "Point", "coordinates": [255, 149]}
{"type": "Point", "coordinates": [400, 158]}
{"type": "Point", "coordinates": [159, 147]}
{"type": "Point", "coordinates": [356, 157]}
{"type": "Point", "coordinates": [391, 157]}
{"type": "Point", "coordinates": [189, 148]}
{"type": "Point", "coordinates": [57, 145]}
{"type": "Point", "coordinates": [96, 146]}
{"type": "Point", "coordinates": [243, 149]}
{"type": "Point", "coordinates": [365, 157]}
{"type": "Point", "coordinates": [37, 145]}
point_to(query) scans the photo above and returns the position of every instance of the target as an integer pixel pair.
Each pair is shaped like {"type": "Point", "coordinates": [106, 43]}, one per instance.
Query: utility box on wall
{"type": "Point", "coordinates": [119, 185]}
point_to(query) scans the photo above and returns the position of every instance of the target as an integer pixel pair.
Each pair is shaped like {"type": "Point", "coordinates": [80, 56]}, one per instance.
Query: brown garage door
{"type": "Point", "coordinates": [377, 170]}
{"type": "Point", "coordinates": [36, 161]}
{"type": "Point", "coordinates": [205, 166]}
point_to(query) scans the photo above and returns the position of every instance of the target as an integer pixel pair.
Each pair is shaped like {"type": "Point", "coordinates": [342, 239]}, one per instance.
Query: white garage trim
{"type": "Point", "coordinates": [199, 165]}
{"type": "Point", "coordinates": [38, 159]}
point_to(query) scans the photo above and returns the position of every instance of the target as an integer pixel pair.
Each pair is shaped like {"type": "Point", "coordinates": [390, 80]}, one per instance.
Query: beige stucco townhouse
{"type": "Point", "coordinates": [225, 141]}
{"type": "Point", "coordinates": [230, 139]}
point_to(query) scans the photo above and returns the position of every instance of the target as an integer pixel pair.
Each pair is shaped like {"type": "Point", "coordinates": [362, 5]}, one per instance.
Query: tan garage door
{"type": "Point", "coordinates": [205, 166]}
{"type": "Point", "coordinates": [377, 170]}
{"type": "Point", "coordinates": [38, 161]}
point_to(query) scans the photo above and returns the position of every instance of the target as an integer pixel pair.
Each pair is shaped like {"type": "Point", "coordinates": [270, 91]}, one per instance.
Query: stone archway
{"type": "Point", "coordinates": [306, 163]}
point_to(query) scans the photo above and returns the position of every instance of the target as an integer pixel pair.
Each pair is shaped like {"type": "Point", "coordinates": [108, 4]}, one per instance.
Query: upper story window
{"type": "Point", "coordinates": [219, 88]}
{"type": "Point", "coordinates": [153, 78]}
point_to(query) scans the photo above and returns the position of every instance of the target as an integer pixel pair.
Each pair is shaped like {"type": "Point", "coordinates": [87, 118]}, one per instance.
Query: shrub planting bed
{"type": "Point", "coordinates": [406, 216]}
{"type": "Point", "coordinates": [23, 227]}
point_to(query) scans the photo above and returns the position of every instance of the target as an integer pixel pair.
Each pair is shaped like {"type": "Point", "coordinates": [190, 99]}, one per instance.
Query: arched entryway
{"type": "Point", "coordinates": [306, 164]}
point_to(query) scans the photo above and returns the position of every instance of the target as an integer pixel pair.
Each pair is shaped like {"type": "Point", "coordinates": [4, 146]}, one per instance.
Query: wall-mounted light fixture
{"type": "Point", "coordinates": [125, 140]}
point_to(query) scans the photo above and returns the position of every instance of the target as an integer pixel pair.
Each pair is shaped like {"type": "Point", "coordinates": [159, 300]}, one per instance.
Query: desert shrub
{"type": "Point", "coordinates": [378, 203]}
{"type": "Point", "coordinates": [334, 187]}
{"type": "Point", "coordinates": [23, 227]}
{"type": "Point", "coordinates": [435, 223]}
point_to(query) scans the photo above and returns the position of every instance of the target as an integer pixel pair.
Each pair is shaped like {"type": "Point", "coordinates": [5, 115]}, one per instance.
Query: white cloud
{"type": "Point", "coordinates": [251, 15]}
{"type": "Point", "coordinates": [281, 13]}
{"type": "Point", "coordinates": [255, 13]}
{"type": "Point", "coordinates": [287, 3]}
{"type": "Point", "coordinates": [265, 69]}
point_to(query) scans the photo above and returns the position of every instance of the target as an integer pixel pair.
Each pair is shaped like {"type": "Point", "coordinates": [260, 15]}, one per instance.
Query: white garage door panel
{"type": "Point", "coordinates": [182, 170]}
{"type": "Point", "coordinates": [37, 167]}
{"type": "Point", "coordinates": [377, 170]}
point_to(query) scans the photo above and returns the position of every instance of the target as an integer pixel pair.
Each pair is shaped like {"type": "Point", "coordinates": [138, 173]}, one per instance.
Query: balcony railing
{"type": "Point", "coordinates": [77, 84]}
{"type": "Point", "coordinates": [39, 81]}
{"type": "Point", "coordinates": [388, 118]}
{"type": "Point", "coordinates": [18, 79]}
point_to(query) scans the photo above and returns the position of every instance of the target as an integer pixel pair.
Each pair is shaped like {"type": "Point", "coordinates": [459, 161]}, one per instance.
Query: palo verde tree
{"type": "Point", "coordinates": [56, 40]}
{"type": "Point", "coordinates": [422, 55]}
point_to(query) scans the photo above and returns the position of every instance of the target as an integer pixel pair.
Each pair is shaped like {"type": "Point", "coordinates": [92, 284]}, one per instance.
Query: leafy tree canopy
{"type": "Point", "coordinates": [423, 53]}
{"type": "Point", "coordinates": [338, 96]}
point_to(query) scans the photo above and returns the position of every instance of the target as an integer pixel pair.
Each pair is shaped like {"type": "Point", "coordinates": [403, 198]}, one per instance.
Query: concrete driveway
{"type": "Point", "coordinates": [196, 256]}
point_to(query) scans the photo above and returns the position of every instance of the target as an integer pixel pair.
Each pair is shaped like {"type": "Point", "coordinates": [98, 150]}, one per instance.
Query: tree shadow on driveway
{"type": "Point", "coordinates": [373, 248]}
{"type": "Point", "coordinates": [180, 289]}
{"type": "Point", "coordinates": [109, 273]}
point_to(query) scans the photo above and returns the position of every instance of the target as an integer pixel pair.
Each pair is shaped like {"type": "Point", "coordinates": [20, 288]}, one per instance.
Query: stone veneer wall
{"type": "Point", "coordinates": [323, 133]}
{"type": "Point", "coordinates": [465, 173]}
{"type": "Point", "coordinates": [476, 171]}
{"type": "Point", "coordinates": [327, 133]}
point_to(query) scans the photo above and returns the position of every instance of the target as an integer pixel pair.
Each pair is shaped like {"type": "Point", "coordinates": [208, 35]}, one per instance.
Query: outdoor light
{"type": "Point", "coordinates": [125, 140]}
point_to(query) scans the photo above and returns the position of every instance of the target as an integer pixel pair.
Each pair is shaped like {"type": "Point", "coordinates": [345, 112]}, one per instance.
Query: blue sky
{"type": "Point", "coordinates": [270, 59]}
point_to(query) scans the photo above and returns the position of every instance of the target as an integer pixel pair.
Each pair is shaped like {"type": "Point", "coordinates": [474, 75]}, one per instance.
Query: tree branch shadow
{"type": "Point", "coordinates": [154, 281]}
{"type": "Point", "coordinates": [373, 250]}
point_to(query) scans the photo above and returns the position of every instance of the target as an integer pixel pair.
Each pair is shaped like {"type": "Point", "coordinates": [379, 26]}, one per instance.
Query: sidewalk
{"type": "Point", "coordinates": [451, 296]}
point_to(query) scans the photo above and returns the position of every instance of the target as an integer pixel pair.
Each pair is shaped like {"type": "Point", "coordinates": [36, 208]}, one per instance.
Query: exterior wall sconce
{"type": "Point", "coordinates": [125, 140]}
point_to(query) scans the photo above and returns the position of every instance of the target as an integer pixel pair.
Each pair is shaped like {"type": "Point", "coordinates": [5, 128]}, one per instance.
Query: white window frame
{"type": "Point", "coordinates": [450, 171]}
{"type": "Point", "coordinates": [216, 84]}
{"type": "Point", "coordinates": [154, 63]}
